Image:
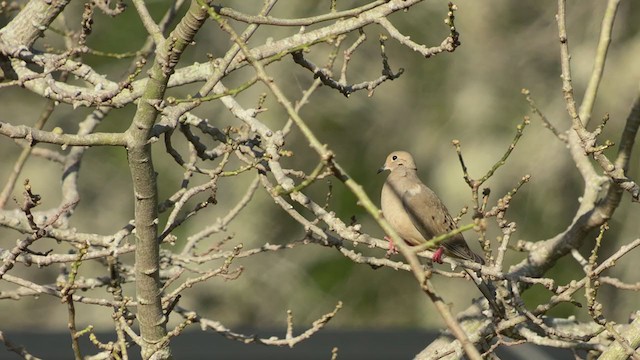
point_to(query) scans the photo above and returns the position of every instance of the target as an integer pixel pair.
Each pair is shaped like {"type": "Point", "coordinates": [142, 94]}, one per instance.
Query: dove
{"type": "Point", "coordinates": [417, 214]}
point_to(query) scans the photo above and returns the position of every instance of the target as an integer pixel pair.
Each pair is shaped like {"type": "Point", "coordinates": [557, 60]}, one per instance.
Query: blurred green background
{"type": "Point", "coordinates": [472, 95]}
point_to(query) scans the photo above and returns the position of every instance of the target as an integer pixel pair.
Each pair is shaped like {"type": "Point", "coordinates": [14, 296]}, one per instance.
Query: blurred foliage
{"type": "Point", "coordinates": [472, 95]}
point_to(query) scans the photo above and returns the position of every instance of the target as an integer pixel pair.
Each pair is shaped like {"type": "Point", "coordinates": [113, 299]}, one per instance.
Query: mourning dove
{"type": "Point", "coordinates": [417, 214]}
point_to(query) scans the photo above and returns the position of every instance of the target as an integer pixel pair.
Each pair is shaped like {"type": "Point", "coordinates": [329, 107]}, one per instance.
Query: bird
{"type": "Point", "coordinates": [417, 214]}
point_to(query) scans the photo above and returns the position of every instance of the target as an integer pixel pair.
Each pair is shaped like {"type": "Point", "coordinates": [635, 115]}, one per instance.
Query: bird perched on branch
{"type": "Point", "coordinates": [417, 214]}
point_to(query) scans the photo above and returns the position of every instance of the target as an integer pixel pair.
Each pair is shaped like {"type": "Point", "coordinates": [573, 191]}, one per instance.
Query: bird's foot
{"type": "Point", "coordinates": [437, 255]}
{"type": "Point", "coordinates": [392, 247]}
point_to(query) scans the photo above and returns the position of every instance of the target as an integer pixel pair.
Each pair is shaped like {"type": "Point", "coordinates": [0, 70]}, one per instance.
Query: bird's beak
{"type": "Point", "coordinates": [383, 168]}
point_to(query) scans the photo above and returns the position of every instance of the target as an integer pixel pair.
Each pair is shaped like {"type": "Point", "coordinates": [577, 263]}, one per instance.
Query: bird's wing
{"type": "Point", "coordinates": [426, 211]}
{"type": "Point", "coordinates": [429, 215]}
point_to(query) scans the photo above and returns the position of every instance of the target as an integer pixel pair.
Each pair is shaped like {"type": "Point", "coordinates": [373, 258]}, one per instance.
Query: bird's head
{"type": "Point", "coordinates": [398, 159]}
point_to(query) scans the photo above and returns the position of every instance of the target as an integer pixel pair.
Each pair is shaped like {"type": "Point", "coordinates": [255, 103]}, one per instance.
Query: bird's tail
{"type": "Point", "coordinates": [488, 290]}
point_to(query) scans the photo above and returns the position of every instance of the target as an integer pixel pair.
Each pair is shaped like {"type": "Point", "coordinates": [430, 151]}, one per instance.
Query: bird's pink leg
{"type": "Point", "coordinates": [392, 248]}
{"type": "Point", "coordinates": [437, 255]}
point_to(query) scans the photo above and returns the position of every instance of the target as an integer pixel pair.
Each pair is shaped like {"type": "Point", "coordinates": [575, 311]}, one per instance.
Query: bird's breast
{"type": "Point", "coordinates": [395, 213]}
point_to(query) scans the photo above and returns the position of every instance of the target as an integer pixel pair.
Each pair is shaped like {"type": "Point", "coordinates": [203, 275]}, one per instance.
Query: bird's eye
{"type": "Point", "coordinates": [394, 158]}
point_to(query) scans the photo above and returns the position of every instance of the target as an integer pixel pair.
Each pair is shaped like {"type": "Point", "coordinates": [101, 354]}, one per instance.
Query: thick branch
{"type": "Point", "coordinates": [150, 315]}
{"type": "Point", "coordinates": [34, 135]}
{"type": "Point", "coordinates": [31, 21]}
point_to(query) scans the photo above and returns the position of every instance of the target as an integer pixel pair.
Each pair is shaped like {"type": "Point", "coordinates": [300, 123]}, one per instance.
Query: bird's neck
{"type": "Point", "coordinates": [405, 173]}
